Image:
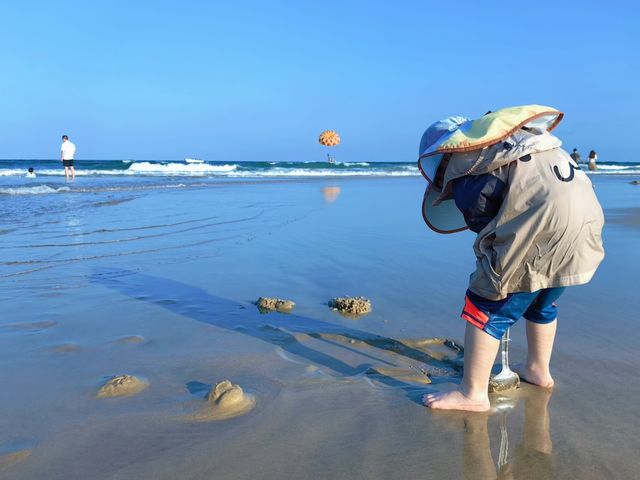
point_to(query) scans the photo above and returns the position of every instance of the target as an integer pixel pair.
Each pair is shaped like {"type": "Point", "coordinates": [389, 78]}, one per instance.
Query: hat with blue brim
{"type": "Point", "coordinates": [460, 134]}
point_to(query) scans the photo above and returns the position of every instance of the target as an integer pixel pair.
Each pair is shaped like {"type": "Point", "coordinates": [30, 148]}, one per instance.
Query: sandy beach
{"type": "Point", "coordinates": [161, 284]}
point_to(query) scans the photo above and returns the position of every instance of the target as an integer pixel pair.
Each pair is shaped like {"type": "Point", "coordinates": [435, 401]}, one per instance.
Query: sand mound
{"type": "Point", "coordinates": [65, 348]}
{"type": "Point", "coordinates": [351, 305]}
{"type": "Point", "coordinates": [225, 400]}
{"type": "Point", "coordinates": [266, 304]}
{"type": "Point", "coordinates": [122, 386]}
{"type": "Point", "coordinates": [13, 457]}
{"type": "Point", "coordinates": [130, 340]}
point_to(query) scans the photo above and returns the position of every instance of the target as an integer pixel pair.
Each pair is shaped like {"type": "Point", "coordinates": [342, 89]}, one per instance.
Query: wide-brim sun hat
{"type": "Point", "coordinates": [460, 134]}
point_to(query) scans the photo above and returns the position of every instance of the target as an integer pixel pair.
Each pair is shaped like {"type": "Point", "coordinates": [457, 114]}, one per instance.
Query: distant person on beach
{"type": "Point", "coordinates": [538, 225]}
{"type": "Point", "coordinates": [575, 155]}
{"type": "Point", "coordinates": [67, 152]}
{"type": "Point", "coordinates": [30, 173]}
{"type": "Point", "coordinates": [593, 156]}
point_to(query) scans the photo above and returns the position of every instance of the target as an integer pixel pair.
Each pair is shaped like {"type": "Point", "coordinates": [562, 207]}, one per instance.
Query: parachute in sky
{"type": "Point", "coordinates": [329, 138]}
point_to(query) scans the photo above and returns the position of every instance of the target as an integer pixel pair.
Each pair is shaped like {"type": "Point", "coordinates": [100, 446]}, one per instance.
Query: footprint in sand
{"type": "Point", "coordinates": [122, 386]}
{"type": "Point", "coordinates": [225, 400]}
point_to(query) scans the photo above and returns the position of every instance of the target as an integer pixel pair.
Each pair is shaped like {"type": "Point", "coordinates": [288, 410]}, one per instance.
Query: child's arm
{"type": "Point", "coordinates": [479, 198]}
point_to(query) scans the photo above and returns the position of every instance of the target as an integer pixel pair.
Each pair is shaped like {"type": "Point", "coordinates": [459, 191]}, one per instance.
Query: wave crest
{"type": "Point", "coordinates": [178, 168]}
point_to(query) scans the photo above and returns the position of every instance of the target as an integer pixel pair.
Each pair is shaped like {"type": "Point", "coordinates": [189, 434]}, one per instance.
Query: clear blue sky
{"type": "Point", "coordinates": [244, 80]}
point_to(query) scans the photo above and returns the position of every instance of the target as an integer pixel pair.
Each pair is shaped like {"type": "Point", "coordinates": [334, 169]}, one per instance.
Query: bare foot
{"type": "Point", "coordinates": [455, 400]}
{"type": "Point", "coordinates": [537, 377]}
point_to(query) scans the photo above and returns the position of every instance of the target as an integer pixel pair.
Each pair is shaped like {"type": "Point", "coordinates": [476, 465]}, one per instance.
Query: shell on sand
{"type": "Point", "coordinates": [225, 400]}
{"type": "Point", "coordinates": [351, 305]}
{"type": "Point", "coordinates": [267, 304]}
{"type": "Point", "coordinates": [122, 386]}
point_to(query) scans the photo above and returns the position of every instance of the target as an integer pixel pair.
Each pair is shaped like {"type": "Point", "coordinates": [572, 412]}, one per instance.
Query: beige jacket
{"type": "Point", "coordinates": [548, 230]}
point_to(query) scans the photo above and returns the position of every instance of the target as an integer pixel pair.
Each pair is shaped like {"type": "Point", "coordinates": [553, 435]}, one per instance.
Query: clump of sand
{"type": "Point", "coordinates": [225, 395]}
{"type": "Point", "coordinates": [225, 400]}
{"type": "Point", "coordinates": [267, 304]}
{"type": "Point", "coordinates": [497, 385]}
{"type": "Point", "coordinates": [122, 386]}
{"type": "Point", "coordinates": [351, 305]}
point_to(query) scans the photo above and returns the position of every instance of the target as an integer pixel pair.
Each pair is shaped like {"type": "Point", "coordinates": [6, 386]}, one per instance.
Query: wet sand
{"type": "Point", "coordinates": [163, 286]}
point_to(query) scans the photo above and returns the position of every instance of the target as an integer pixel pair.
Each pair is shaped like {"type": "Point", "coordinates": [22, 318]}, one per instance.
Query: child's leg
{"type": "Point", "coordinates": [541, 331]}
{"type": "Point", "coordinates": [480, 351]}
{"type": "Point", "coordinates": [540, 337]}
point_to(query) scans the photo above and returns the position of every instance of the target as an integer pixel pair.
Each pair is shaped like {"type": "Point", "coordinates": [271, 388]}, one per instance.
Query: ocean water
{"type": "Point", "coordinates": [50, 170]}
{"type": "Point", "coordinates": [177, 259]}
{"type": "Point", "coordinates": [129, 175]}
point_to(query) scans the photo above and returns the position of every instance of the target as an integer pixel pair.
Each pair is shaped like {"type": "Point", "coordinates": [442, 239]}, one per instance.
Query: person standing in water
{"type": "Point", "coordinates": [67, 152]}
{"type": "Point", "coordinates": [539, 230]}
{"type": "Point", "coordinates": [575, 155]}
{"type": "Point", "coordinates": [593, 156]}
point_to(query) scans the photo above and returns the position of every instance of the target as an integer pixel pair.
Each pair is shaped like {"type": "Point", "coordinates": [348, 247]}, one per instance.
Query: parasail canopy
{"type": "Point", "coordinates": [329, 138]}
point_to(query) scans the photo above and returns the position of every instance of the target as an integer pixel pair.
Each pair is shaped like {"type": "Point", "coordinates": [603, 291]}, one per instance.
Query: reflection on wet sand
{"type": "Point", "coordinates": [532, 456]}
{"type": "Point", "coordinates": [330, 194]}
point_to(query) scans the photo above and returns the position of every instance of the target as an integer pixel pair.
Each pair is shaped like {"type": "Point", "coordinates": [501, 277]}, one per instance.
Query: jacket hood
{"type": "Point", "coordinates": [478, 162]}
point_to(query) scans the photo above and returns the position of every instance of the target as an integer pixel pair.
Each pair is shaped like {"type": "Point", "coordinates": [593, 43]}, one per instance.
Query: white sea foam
{"type": "Point", "coordinates": [148, 168]}
{"type": "Point", "coordinates": [14, 172]}
{"type": "Point", "coordinates": [36, 190]}
{"type": "Point", "coordinates": [608, 172]}
{"type": "Point", "coordinates": [231, 170]}
{"type": "Point", "coordinates": [321, 172]}
{"type": "Point", "coordinates": [614, 168]}
{"type": "Point", "coordinates": [354, 164]}
{"type": "Point", "coordinates": [239, 170]}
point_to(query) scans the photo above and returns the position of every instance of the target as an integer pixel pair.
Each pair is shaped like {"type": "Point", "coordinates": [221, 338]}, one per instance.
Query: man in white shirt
{"type": "Point", "coordinates": [67, 152]}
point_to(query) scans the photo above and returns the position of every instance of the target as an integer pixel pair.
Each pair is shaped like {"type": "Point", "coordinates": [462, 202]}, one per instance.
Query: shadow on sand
{"type": "Point", "coordinates": [286, 330]}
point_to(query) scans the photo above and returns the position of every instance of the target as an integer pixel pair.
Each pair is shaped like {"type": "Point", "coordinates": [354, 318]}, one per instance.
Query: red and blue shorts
{"type": "Point", "coordinates": [495, 316]}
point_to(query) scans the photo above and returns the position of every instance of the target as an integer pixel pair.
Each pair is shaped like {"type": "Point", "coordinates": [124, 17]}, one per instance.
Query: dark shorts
{"type": "Point", "coordinates": [67, 163]}
{"type": "Point", "coordinates": [495, 316]}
